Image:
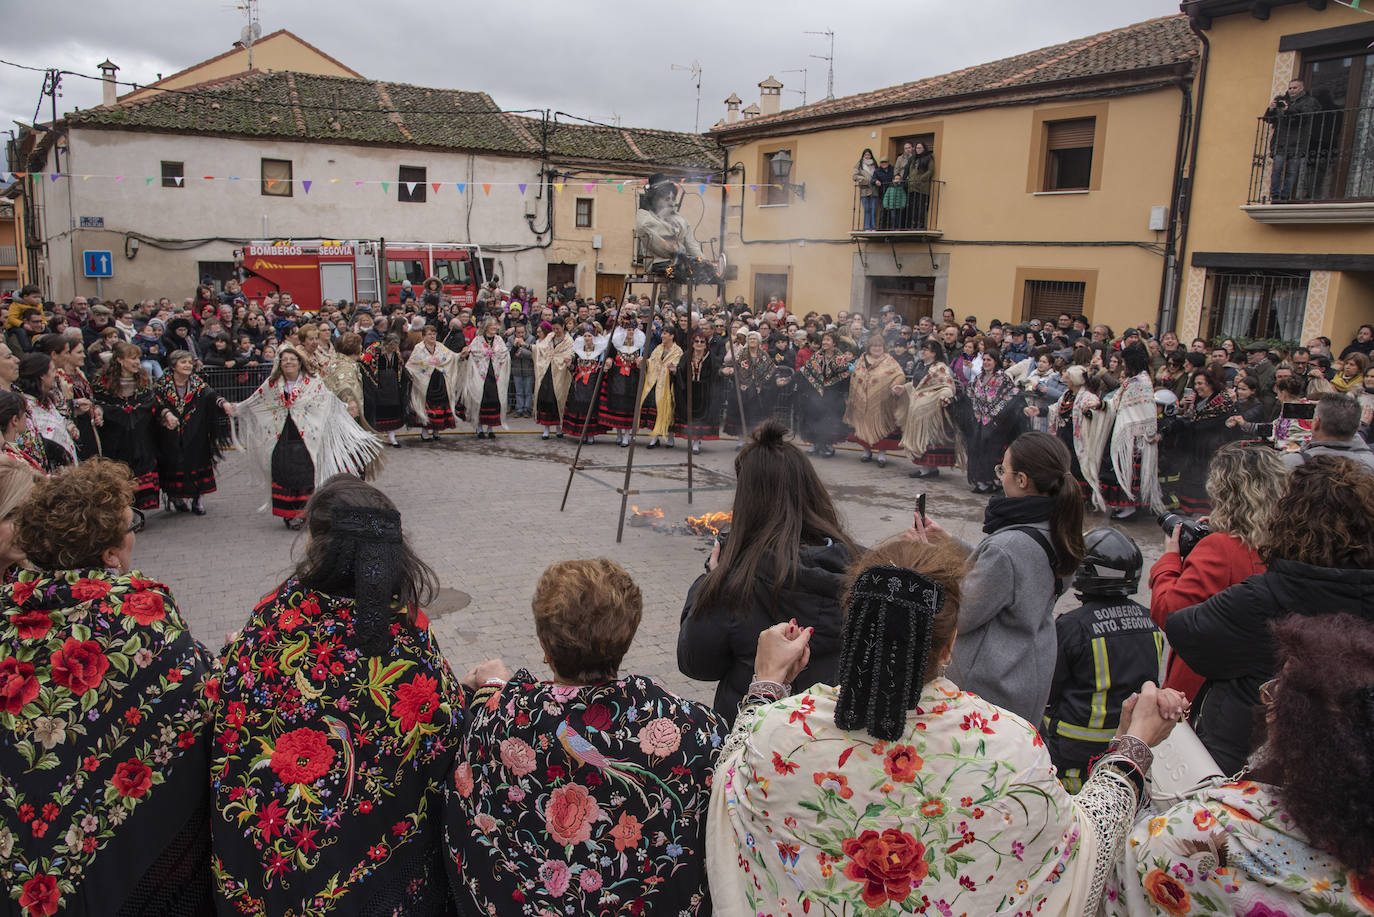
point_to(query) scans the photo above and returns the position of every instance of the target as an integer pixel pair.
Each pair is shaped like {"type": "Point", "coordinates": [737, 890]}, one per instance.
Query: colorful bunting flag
{"type": "Point", "coordinates": [590, 186]}
{"type": "Point", "coordinates": [305, 185]}
{"type": "Point", "coordinates": [461, 186]}
{"type": "Point", "coordinates": [386, 186]}
{"type": "Point", "coordinates": [486, 187]}
{"type": "Point", "coordinates": [357, 184]}
{"type": "Point", "coordinates": [558, 187]}
{"type": "Point", "coordinates": [435, 185]}
{"type": "Point", "coordinates": [54, 176]}
{"type": "Point", "coordinates": [148, 181]}
{"type": "Point", "coordinates": [523, 186]}
{"type": "Point", "coordinates": [270, 182]}
{"type": "Point", "coordinates": [620, 188]}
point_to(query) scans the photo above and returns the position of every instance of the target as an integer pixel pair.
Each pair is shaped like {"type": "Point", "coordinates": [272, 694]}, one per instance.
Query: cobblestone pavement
{"type": "Point", "coordinates": [485, 515]}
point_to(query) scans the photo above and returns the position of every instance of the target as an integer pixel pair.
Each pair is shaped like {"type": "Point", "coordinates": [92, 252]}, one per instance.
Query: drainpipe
{"type": "Point", "coordinates": [1185, 211]}
{"type": "Point", "coordinates": [1164, 313]}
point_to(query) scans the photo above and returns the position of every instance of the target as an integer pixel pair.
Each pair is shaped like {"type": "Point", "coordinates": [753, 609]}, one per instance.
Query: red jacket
{"type": "Point", "coordinates": [1218, 562]}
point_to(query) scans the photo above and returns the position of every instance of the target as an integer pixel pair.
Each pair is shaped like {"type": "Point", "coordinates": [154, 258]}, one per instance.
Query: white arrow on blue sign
{"type": "Point", "coordinates": [98, 263]}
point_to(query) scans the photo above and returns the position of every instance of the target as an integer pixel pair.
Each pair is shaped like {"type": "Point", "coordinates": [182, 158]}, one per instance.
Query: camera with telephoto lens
{"type": "Point", "coordinates": [1189, 533]}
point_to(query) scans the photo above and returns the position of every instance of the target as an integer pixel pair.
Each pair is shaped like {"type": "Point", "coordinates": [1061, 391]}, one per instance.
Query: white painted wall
{"type": "Point", "coordinates": [237, 209]}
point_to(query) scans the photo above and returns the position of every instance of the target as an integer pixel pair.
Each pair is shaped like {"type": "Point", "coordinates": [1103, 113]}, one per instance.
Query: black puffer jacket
{"type": "Point", "coordinates": [1227, 640]}
{"type": "Point", "coordinates": [719, 644]}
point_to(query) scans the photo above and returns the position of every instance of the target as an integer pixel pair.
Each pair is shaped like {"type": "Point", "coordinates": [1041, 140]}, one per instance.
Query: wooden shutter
{"type": "Point", "coordinates": [1045, 299]}
{"type": "Point", "coordinates": [1070, 135]}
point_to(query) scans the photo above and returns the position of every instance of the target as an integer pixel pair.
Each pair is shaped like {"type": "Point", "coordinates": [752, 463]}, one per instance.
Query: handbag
{"type": "Point", "coordinates": [1182, 765]}
{"type": "Point", "coordinates": [894, 198]}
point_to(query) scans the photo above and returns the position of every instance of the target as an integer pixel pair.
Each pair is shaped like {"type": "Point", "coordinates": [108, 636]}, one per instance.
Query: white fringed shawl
{"type": "Point", "coordinates": [337, 445]}
{"type": "Point", "coordinates": [925, 421]}
{"type": "Point", "coordinates": [1135, 431]}
{"type": "Point", "coordinates": [423, 364]}
{"type": "Point", "coordinates": [480, 356]}
{"type": "Point", "coordinates": [1090, 435]}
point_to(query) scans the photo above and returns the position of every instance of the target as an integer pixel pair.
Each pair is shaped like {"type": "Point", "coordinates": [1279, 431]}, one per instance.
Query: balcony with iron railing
{"type": "Point", "coordinates": [897, 216]}
{"type": "Point", "coordinates": [1313, 167]}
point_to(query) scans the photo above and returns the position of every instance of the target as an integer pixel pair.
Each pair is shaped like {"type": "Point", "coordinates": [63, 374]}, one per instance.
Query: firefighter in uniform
{"type": "Point", "coordinates": [1108, 648]}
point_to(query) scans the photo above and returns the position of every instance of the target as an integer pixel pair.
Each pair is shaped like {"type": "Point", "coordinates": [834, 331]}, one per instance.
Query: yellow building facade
{"type": "Point", "coordinates": [1264, 260]}
{"type": "Point", "coordinates": [280, 50]}
{"type": "Point", "coordinates": [1054, 178]}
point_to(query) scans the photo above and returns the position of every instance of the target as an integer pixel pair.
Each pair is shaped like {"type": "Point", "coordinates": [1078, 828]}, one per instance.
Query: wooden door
{"type": "Point", "coordinates": [910, 305]}
{"type": "Point", "coordinates": [612, 285]}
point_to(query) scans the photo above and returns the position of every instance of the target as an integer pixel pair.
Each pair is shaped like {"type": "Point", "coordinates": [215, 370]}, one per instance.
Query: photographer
{"type": "Point", "coordinates": [1335, 431]}
{"type": "Point", "coordinates": [1293, 116]}
{"type": "Point", "coordinates": [1245, 483]}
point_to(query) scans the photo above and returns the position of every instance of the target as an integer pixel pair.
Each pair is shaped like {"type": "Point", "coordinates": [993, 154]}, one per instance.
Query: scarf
{"type": "Point", "coordinates": [1006, 511]}
{"type": "Point", "coordinates": [990, 394]}
{"type": "Point", "coordinates": [1135, 434]}
{"type": "Point", "coordinates": [927, 422]}
{"type": "Point", "coordinates": [1090, 435]}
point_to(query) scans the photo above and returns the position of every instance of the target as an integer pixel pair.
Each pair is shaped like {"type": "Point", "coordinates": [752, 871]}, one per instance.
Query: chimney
{"type": "Point", "coordinates": [770, 96]}
{"type": "Point", "coordinates": [750, 112]}
{"type": "Point", "coordinates": [732, 108]}
{"type": "Point", "coordinates": [108, 91]}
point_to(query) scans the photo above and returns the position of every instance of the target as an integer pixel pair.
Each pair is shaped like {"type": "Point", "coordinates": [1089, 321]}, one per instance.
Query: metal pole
{"type": "Point", "coordinates": [639, 405]}
{"type": "Point", "coordinates": [688, 424]}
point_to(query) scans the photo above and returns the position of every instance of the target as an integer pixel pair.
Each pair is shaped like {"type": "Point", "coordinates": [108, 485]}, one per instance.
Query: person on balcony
{"type": "Point", "coordinates": [1293, 116]}
{"type": "Point", "coordinates": [920, 174]}
{"type": "Point", "coordinates": [868, 192]}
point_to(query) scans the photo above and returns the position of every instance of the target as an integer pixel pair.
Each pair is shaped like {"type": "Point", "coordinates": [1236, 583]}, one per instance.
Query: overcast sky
{"type": "Point", "coordinates": [599, 59]}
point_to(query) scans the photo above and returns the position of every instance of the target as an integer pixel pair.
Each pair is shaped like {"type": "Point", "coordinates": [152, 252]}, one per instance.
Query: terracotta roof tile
{"type": "Point", "coordinates": [1154, 43]}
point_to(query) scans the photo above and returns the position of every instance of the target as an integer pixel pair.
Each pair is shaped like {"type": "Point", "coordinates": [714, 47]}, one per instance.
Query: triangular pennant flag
{"type": "Point", "coordinates": [55, 175]}
{"type": "Point", "coordinates": [753, 187]}
{"type": "Point", "coordinates": [181, 179]}
{"type": "Point", "coordinates": [410, 186]}
{"type": "Point", "coordinates": [208, 177]}
{"type": "Point", "coordinates": [20, 174]}
{"type": "Point", "coordinates": [148, 180]}
{"type": "Point", "coordinates": [233, 178]}
{"type": "Point", "coordinates": [435, 185]}
{"type": "Point", "coordinates": [590, 186]}
{"type": "Point", "coordinates": [486, 187]}
{"type": "Point", "coordinates": [558, 187]}
{"type": "Point", "coordinates": [119, 178]}
{"type": "Point", "coordinates": [357, 184]}
{"type": "Point", "coordinates": [620, 188]}
{"type": "Point", "coordinates": [271, 182]}
{"type": "Point", "coordinates": [701, 188]}
{"type": "Point", "coordinates": [386, 186]}
{"type": "Point", "coordinates": [305, 185]}
{"type": "Point", "coordinates": [523, 186]}
{"type": "Point", "coordinates": [462, 186]}
{"type": "Point", "coordinates": [333, 181]}
{"type": "Point", "coordinates": [85, 178]}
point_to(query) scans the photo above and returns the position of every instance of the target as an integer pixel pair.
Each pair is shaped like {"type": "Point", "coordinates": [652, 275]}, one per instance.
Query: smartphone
{"type": "Point", "coordinates": [921, 510]}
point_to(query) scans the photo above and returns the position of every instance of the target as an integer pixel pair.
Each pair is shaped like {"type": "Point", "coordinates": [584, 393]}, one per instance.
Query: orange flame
{"type": "Point", "coordinates": [708, 523]}
{"type": "Point", "coordinates": [655, 513]}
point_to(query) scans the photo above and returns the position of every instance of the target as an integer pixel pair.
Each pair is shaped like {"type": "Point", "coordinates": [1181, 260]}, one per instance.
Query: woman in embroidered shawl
{"type": "Point", "coordinates": [385, 381]}
{"type": "Point", "coordinates": [437, 382]}
{"type": "Point", "coordinates": [1293, 835]}
{"type": "Point", "coordinates": [125, 394]}
{"type": "Point", "coordinates": [657, 412]}
{"type": "Point", "coordinates": [586, 793]}
{"type": "Point", "coordinates": [1084, 429]}
{"type": "Point", "coordinates": [336, 727]}
{"type": "Point", "coordinates": [298, 435]}
{"type": "Point", "coordinates": [190, 433]}
{"type": "Point", "coordinates": [552, 377]}
{"type": "Point", "coordinates": [488, 379]}
{"type": "Point", "coordinates": [104, 746]}
{"type": "Point", "coordinates": [76, 390]}
{"type": "Point", "coordinates": [997, 416]}
{"type": "Point", "coordinates": [929, 433]}
{"type": "Point", "coordinates": [620, 382]}
{"type": "Point", "coordinates": [824, 389]}
{"type": "Point", "coordinates": [580, 410]}
{"type": "Point", "coordinates": [46, 410]}
{"type": "Point", "coordinates": [1196, 436]}
{"type": "Point", "coordinates": [894, 792]}
{"type": "Point", "coordinates": [697, 390]}
{"type": "Point", "coordinates": [756, 373]}
{"type": "Point", "coordinates": [1130, 472]}
{"type": "Point", "coordinates": [876, 387]}
{"type": "Point", "coordinates": [344, 376]}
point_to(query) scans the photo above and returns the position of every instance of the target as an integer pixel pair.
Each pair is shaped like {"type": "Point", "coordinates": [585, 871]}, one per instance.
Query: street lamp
{"type": "Point", "coordinates": [781, 167]}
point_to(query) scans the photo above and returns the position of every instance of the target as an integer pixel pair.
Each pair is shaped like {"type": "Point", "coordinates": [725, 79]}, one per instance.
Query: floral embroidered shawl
{"type": "Point", "coordinates": [964, 815]}
{"type": "Point", "coordinates": [1172, 866]}
{"type": "Point", "coordinates": [330, 763]}
{"type": "Point", "coordinates": [822, 372]}
{"type": "Point", "coordinates": [103, 737]}
{"type": "Point", "coordinates": [582, 800]}
{"type": "Point", "coordinates": [990, 394]}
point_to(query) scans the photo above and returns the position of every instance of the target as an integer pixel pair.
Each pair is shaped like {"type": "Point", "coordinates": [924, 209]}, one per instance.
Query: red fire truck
{"type": "Point", "coordinates": [358, 270]}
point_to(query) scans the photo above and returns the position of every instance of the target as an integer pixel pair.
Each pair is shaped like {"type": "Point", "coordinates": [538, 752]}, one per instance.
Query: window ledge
{"type": "Point", "coordinates": [774, 206]}
{"type": "Point", "coordinates": [1353, 212]}
{"type": "Point", "coordinates": [1057, 193]}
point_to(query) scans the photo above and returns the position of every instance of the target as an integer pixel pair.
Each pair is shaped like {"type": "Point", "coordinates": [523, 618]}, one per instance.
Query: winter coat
{"type": "Point", "coordinates": [882, 177]}
{"type": "Point", "coordinates": [920, 173]}
{"type": "Point", "coordinates": [1227, 640]}
{"type": "Point", "coordinates": [864, 180]}
{"type": "Point", "coordinates": [1356, 449]}
{"type": "Point", "coordinates": [1007, 646]}
{"type": "Point", "coordinates": [719, 644]}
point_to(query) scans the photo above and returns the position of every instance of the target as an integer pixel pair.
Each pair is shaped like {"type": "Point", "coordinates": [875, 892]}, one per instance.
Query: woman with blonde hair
{"type": "Point", "coordinates": [657, 411]}
{"type": "Point", "coordinates": [16, 483]}
{"type": "Point", "coordinates": [1245, 484]}
{"type": "Point", "coordinates": [487, 379]}
{"type": "Point", "coordinates": [875, 395]}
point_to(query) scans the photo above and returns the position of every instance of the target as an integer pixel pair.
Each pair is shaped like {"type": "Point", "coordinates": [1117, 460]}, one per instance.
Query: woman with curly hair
{"type": "Point", "coordinates": [1294, 837]}
{"type": "Point", "coordinates": [1245, 484]}
{"type": "Point", "coordinates": [124, 392]}
{"type": "Point", "coordinates": [103, 744]}
{"type": "Point", "coordinates": [336, 725]}
{"type": "Point", "coordinates": [1199, 432]}
{"type": "Point", "coordinates": [1322, 564]}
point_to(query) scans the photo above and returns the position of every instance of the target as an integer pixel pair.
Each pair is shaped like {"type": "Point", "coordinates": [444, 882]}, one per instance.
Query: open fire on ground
{"type": "Point", "coordinates": [705, 524]}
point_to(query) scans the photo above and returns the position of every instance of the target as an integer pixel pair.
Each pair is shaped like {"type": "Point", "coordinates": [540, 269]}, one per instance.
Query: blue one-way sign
{"type": "Point", "coordinates": [98, 263]}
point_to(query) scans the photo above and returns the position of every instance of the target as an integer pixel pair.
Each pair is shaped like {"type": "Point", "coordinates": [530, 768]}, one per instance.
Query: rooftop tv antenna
{"type": "Point", "coordinates": [802, 71]}
{"type": "Point", "coordinates": [695, 70]}
{"type": "Point", "coordinates": [830, 62]}
{"type": "Point", "coordinates": [253, 30]}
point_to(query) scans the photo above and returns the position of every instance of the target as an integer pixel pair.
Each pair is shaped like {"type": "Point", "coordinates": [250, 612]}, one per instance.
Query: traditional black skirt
{"type": "Point", "coordinates": [293, 474]}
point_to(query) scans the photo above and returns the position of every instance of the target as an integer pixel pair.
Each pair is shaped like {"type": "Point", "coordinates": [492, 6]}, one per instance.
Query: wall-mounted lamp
{"type": "Point", "coordinates": [781, 166]}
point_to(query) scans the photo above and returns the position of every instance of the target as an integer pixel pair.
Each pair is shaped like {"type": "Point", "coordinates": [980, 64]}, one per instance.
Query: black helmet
{"type": "Point", "coordinates": [1111, 565]}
